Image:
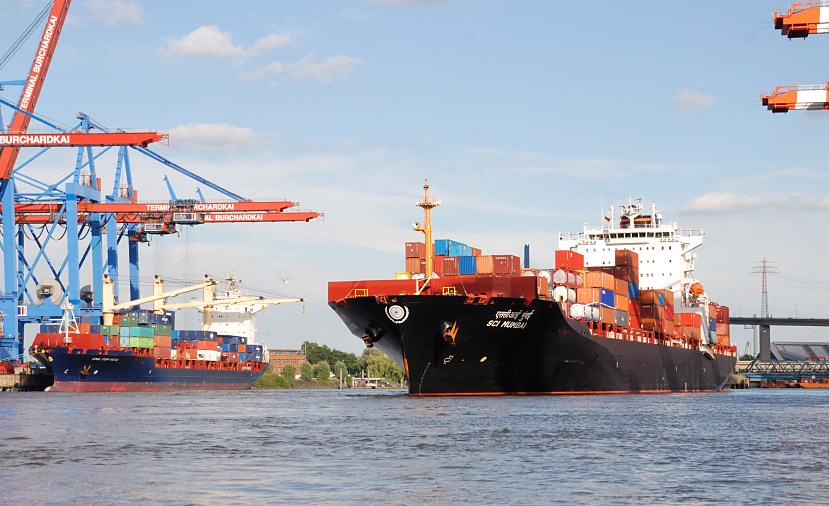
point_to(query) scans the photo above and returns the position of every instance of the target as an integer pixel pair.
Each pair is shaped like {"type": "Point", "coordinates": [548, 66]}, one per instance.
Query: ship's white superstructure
{"type": "Point", "coordinates": [236, 317]}
{"type": "Point", "coordinates": [666, 252]}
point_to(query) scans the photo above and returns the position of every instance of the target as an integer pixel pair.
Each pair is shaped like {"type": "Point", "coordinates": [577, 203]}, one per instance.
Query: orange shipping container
{"type": "Point", "coordinates": [608, 315]}
{"type": "Point", "coordinates": [476, 252]}
{"type": "Point", "coordinates": [622, 303]}
{"type": "Point", "coordinates": [620, 286]}
{"type": "Point", "coordinates": [654, 311]}
{"type": "Point", "coordinates": [599, 279]}
{"type": "Point", "coordinates": [587, 295]}
{"type": "Point", "coordinates": [485, 264]}
{"type": "Point", "coordinates": [163, 341]}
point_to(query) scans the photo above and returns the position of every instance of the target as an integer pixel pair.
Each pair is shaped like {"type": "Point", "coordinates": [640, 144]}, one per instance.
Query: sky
{"type": "Point", "coordinates": [529, 118]}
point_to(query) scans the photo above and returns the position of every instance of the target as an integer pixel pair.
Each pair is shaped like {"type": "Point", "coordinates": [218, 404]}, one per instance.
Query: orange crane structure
{"type": "Point", "coordinates": [801, 20]}
{"type": "Point", "coordinates": [75, 209]}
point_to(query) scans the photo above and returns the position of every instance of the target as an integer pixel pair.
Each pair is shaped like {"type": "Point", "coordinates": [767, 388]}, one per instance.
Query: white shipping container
{"type": "Point", "coordinates": [209, 355]}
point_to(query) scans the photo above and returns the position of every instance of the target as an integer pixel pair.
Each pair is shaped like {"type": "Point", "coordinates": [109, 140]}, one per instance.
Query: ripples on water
{"type": "Point", "coordinates": [350, 447]}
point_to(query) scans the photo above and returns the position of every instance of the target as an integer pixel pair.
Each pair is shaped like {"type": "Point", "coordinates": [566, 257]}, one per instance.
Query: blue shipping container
{"type": "Point", "coordinates": [607, 298]}
{"type": "Point", "coordinates": [633, 291]}
{"type": "Point", "coordinates": [468, 265]}
{"type": "Point", "coordinates": [661, 298]}
{"type": "Point", "coordinates": [442, 247]}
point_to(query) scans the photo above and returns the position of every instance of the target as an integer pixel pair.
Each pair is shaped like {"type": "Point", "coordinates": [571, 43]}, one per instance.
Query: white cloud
{"type": "Point", "coordinates": [272, 41]}
{"type": "Point", "coordinates": [114, 12]}
{"type": "Point", "coordinates": [725, 203]}
{"type": "Point", "coordinates": [211, 42]}
{"type": "Point", "coordinates": [324, 71]}
{"type": "Point", "coordinates": [205, 41]}
{"type": "Point", "coordinates": [691, 101]}
{"type": "Point", "coordinates": [213, 136]}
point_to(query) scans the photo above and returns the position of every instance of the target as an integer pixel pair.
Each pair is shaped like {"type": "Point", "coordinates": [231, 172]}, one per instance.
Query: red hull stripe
{"type": "Point", "coordinates": [73, 386]}
{"type": "Point", "coordinates": [591, 392]}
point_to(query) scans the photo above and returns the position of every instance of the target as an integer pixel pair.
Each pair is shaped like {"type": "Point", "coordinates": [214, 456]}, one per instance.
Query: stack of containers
{"type": "Point", "coordinates": [415, 257]}
{"type": "Point", "coordinates": [723, 326]}
{"type": "Point", "coordinates": [688, 325]}
{"type": "Point", "coordinates": [657, 311]}
{"type": "Point", "coordinates": [566, 278]}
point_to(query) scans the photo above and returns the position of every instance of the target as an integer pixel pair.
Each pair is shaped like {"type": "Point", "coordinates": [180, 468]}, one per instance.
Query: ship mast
{"type": "Point", "coordinates": [426, 227]}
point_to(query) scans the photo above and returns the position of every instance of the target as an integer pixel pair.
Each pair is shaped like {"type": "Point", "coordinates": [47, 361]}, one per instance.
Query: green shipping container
{"type": "Point", "coordinates": [141, 342]}
{"type": "Point", "coordinates": [141, 332]}
{"type": "Point", "coordinates": [162, 329]}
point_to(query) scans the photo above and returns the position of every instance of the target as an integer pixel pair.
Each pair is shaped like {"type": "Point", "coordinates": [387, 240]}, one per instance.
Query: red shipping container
{"type": "Point", "coordinates": [207, 345]}
{"type": "Point", "coordinates": [634, 307]}
{"type": "Point", "coordinates": [187, 354]}
{"type": "Point", "coordinates": [669, 313]}
{"type": "Point", "coordinates": [451, 266]}
{"type": "Point", "coordinates": [415, 250]}
{"type": "Point", "coordinates": [723, 315]}
{"type": "Point", "coordinates": [506, 264]}
{"type": "Point", "coordinates": [476, 252]}
{"type": "Point", "coordinates": [437, 265]}
{"type": "Point", "coordinates": [627, 258]}
{"type": "Point", "coordinates": [568, 259]}
{"type": "Point", "coordinates": [415, 265]}
{"type": "Point", "coordinates": [161, 352]}
{"type": "Point", "coordinates": [114, 341]}
{"type": "Point", "coordinates": [626, 273]}
{"type": "Point", "coordinates": [654, 311]}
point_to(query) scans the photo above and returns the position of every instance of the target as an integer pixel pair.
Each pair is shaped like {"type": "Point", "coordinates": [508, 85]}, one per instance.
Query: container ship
{"type": "Point", "coordinates": [140, 350]}
{"type": "Point", "coordinates": [619, 312]}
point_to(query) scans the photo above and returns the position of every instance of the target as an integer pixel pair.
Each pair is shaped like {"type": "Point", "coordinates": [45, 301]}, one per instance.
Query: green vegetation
{"type": "Point", "coordinates": [747, 357]}
{"type": "Point", "coordinates": [306, 371]}
{"type": "Point", "coordinates": [322, 370]}
{"type": "Point", "coordinates": [378, 365]}
{"type": "Point", "coordinates": [321, 353]}
{"type": "Point", "coordinates": [273, 380]}
{"type": "Point", "coordinates": [322, 360]}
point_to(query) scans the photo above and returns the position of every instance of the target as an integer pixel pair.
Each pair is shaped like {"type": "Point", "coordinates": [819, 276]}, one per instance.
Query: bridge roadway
{"type": "Point", "coordinates": [790, 322]}
{"type": "Point", "coordinates": [766, 369]}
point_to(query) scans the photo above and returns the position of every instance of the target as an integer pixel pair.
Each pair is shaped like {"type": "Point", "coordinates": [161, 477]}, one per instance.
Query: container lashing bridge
{"type": "Point", "coordinates": [52, 231]}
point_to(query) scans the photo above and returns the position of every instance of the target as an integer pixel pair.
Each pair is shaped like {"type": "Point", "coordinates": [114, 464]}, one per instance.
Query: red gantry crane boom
{"type": "Point", "coordinates": [34, 83]}
{"type": "Point", "coordinates": [75, 209]}
{"type": "Point", "coordinates": [802, 19]}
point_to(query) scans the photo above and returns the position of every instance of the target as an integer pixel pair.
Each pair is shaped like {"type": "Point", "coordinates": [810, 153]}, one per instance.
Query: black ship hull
{"type": "Point", "coordinates": [457, 346]}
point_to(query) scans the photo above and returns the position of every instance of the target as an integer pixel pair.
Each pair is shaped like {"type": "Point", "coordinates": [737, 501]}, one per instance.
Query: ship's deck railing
{"type": "Point", "coordinates": [600, 233]}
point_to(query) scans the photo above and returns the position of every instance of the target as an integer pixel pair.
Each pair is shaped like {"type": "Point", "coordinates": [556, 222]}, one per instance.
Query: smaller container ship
{"type": "Point", "coordinates": [141, 350]}
{"type": "Point", "coordinates": [619, 312]}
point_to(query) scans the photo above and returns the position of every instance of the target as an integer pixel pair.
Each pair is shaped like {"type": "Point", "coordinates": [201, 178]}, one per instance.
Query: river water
{"type": "Point", "coordinates": [383, 447]}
